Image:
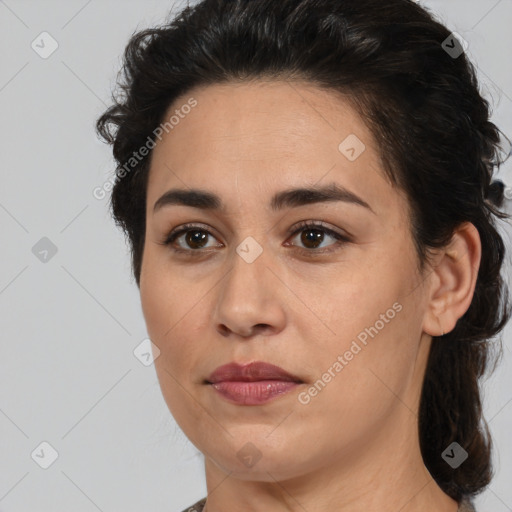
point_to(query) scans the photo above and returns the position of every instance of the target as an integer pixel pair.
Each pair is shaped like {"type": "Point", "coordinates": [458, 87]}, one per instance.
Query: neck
{"type": "Point", "coordinates": [386, 473]}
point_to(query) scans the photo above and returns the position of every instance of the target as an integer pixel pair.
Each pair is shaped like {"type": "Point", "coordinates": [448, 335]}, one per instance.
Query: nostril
{"type": "Point", "coordinates": [262, 328]}
{"type": "Point", "coordinates": [223, 330]}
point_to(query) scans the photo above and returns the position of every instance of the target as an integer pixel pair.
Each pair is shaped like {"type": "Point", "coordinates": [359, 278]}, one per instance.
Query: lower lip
{"type": "Point", "coordinates": [253, 393]}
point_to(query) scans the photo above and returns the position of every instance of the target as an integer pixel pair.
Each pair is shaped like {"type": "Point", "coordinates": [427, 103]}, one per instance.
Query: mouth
{"type": "Point", "coordinates": [252, 384]}
{"type": "Point", "coordinates": [252, 372]}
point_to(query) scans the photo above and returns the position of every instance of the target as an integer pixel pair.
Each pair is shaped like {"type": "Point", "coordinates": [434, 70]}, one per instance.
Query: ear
{"type": "Point", "coordinates": [453, 280]}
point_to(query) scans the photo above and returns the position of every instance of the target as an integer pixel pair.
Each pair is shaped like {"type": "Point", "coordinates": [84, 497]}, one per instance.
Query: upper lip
{"type": "Point", "coordinates": [250, 372]}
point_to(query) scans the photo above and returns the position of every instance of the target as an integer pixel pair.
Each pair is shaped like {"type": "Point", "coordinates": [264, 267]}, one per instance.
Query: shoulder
{"type": "Point", "coordinates": [196, 507]}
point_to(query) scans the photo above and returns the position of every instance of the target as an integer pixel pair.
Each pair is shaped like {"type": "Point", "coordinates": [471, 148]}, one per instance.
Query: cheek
{"type": "Point", "coordinates": [166, 323]}
{"type": "Point", "coordinates": [153, 302]}
{"type": "Point", "coordinates": [171, 316]}
{"type": "Point", "coordinates": [368, 316]}
{"type": "Point", "coordinates": [351, 301]}
{"type": "Point", "coordinates": [159, 293]}
{"type": "Point", "coordinates": [373, 357]}
{"type": "Point", "coordinates": [164, 314]}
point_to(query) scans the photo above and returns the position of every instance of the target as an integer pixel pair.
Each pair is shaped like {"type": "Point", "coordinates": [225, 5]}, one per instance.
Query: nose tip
{"type": "Point", "coordinates": [247, 302]}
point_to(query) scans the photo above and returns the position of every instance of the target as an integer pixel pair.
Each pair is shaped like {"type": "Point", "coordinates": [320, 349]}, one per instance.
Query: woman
{"type": "Point", "coordinates": [307, 190]}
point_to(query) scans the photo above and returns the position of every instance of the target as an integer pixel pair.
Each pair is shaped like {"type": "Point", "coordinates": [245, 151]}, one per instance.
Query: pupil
{"type": "Point", "coordinates": [192, 238]}
{"type": "Point", "coordinates": [312, 235]}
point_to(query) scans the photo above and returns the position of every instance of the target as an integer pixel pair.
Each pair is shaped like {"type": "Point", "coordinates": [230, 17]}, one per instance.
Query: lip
{"type": "Point", "coordinates": [252, 372]}
{"type": "Point", "coordinates": [252, 384]}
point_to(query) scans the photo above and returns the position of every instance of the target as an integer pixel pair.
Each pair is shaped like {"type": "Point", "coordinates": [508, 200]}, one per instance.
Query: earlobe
{"type": "Point", "coordinates": [453, 281]}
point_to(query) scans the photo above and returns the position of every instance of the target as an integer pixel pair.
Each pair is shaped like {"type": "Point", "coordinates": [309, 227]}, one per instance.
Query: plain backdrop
{"type": "Point", "coordinates": [70, 311]}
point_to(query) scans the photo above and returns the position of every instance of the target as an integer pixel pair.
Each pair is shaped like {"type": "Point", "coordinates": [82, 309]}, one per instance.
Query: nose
{"type": "Point", "coordinates": [250, 299]}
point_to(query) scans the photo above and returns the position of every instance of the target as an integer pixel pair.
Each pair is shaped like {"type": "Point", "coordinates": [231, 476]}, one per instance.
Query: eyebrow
{"type": "Point", "coordinates": [290, 198]}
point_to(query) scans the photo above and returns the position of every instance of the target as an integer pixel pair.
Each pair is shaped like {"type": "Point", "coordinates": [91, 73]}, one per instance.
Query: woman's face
{"type": "Point", "coordinates": [250, 283]}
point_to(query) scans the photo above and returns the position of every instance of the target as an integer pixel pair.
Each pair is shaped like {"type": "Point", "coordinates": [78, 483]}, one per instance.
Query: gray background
{"type": "Point", "coordinates": [68, 374]}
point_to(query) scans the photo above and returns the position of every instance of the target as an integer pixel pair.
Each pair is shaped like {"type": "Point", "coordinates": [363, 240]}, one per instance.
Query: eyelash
{"type": "Point", "coordinates": [340, 239]}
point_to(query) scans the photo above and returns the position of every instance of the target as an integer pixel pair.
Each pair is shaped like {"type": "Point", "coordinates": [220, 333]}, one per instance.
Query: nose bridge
{"type": "Point", "coordinates": [247, 296]}
{"type": "Point", "coordinates": [248, 272]}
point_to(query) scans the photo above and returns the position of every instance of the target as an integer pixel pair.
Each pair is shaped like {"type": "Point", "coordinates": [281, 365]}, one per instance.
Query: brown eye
{"type": "Point", "coordinates": [196, 238]}
{"type": "Point", "coordinates": [312, 235]}
{"type": "Point", "coordinates": [191, 239]}
{"type": "Point", "coordinates": [311, 238]}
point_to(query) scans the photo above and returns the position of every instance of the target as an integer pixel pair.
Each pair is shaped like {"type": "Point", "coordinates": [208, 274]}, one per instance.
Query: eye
{"type": "Point", "coordinates": [312, 235]}
{"type": "Point", "coordinates": [194, 239]}
{"type": "Point", "coordinates": [194, 236]}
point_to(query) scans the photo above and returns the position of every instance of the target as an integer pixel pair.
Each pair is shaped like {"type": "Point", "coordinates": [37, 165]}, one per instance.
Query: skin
{"type": "Point", "coordinates": [354, 447]}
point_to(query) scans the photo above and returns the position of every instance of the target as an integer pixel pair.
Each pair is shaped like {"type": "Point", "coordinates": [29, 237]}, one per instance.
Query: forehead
{"type": "Point", "coordinates": [255, 138]}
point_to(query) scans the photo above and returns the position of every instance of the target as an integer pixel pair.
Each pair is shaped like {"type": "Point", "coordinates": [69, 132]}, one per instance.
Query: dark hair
{"type": "Point", "coordinates": [436, 142]}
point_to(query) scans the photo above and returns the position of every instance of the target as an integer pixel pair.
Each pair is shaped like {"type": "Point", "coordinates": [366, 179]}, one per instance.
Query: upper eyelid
{"type": "Point", "coordinates": [190, 226]}
{"type": "Point", "coordinates": [298, 226]}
